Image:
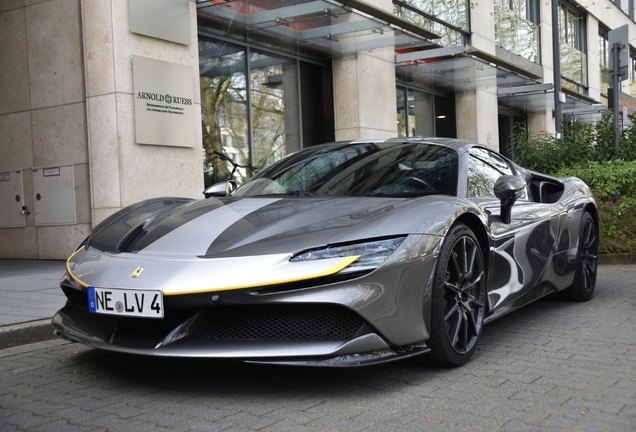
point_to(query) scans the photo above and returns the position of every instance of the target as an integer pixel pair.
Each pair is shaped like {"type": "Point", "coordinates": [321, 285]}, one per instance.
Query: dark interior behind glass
{"type": "Point", "coordinates": [361, 169]}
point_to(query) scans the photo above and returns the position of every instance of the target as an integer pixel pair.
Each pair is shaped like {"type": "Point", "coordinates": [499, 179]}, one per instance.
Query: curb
{"type": "Point", "coordinates": [616, 259]}
{"type": "Point", "coordinates": [26, 333]}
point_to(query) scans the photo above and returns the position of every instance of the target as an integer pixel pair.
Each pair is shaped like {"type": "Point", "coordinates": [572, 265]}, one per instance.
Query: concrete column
{"type": "Point", "coordinates": [121, 171]}
{"type": "Point", "coordinates": [364, 92]}
{"type": "Point", "coordinates": [543, 121]}
{"type": "Point", "coordinates": [482, 24]}
{"type": "Point", "coordinates": [68, 100]}
{"type": "Point", "coordinates": [477, 115]}
{"type": "Point", "coordinates": [42, 117]}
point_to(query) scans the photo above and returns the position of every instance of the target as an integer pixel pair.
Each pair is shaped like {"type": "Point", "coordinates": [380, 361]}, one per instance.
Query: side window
{"type": "Point", "coordinates": [484, 168]}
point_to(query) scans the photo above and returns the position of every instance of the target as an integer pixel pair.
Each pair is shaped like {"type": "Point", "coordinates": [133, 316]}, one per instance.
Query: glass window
{"type": "Point", "coordinates": [454, 12]}
{"type": "Point", "coordinates": [415, 113]}
{"type": "Point", "coordinates": [572, 37]}
{"type": "Point", "coordinates": [274, 102]}
{"type": "Point", "coordinates": [446, 18]}
{"type": "Point", "coordinates": [603, 56]}
{"type": "Point", "coordinates": [364, 169]}
{"type": "Point", "coordinates": [632, 72]}
{"type": "Point", "coordinates": [517, 27]}
{"type": "Point", "coordinates": [402, 126]}
{"type": "Point", "coordinates": [249, 111]}
{"type": "Point", "coordinates": [223, 108]}
{"type": "Point", "coordinates": [484, 168]}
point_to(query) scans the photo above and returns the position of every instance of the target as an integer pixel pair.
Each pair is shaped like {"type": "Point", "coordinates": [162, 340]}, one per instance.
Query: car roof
{"type": "Point", "coordinates": [449, 142]}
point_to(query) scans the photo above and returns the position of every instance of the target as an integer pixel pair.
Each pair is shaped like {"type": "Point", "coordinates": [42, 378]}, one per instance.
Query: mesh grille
{"type": "Point", "coordinates": [77, 308]}
{"type": "Point", "coordinates": [281, 322]}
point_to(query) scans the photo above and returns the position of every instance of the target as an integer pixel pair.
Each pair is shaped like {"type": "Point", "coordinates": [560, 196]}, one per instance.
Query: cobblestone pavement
{"type": "Point", "coordinates": [553, 365]}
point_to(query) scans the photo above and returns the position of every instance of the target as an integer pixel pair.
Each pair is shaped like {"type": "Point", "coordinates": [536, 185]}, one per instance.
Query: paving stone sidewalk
{"type": "Point", "coordinates": [551, 366]}
{"type": "Point", "coordinates": [30, 290]}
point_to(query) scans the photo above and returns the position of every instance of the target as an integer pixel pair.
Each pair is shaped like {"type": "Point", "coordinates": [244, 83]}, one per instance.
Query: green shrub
{"type": "Point", "coordinates": [609, 181]}
{"type": "Point", "coordinates": [589, 153]}
{"type": "Point", "coordinates": [617, 226]}
{"type": "Point", "coordinates": [581, 143]}
{"type": "Point", "coordinates": [613, 184]}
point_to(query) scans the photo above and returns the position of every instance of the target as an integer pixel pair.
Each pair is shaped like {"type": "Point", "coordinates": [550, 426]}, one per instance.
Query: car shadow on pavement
{"type": "Point", "coordinates": [193, 377]}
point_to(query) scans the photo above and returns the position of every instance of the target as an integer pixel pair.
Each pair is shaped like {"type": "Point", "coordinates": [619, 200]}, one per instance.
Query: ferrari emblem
{"type": "Point", "coordinates": [137, 272]}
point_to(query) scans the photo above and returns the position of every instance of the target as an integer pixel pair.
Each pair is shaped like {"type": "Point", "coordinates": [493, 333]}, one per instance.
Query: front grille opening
{"type": "Point", "coordinates": [76, 307]}
{"type": "Point", "coordinates": [281, 322]}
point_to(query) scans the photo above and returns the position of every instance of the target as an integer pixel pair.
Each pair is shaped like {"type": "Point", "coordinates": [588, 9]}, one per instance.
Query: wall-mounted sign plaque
{"type": "Point", "coordinates": [164, 103]}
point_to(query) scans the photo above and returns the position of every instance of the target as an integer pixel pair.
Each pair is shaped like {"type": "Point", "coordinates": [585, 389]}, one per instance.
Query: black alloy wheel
{"type": "Point", "coordinates": [582, 288]}
{"type": "Point", "coordinates": [458, 299]}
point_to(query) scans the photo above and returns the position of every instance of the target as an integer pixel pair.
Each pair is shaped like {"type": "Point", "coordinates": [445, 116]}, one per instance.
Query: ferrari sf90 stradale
{"type": "Point", "coordinates": [343, 254]}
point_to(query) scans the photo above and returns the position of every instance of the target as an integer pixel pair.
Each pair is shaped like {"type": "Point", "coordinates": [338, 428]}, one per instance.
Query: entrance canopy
{"type": "Point", "coordinates": [333, 29]}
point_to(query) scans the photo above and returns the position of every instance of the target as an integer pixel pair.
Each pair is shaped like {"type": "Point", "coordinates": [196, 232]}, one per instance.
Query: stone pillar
{"type": "Point", "coordinates": [364, 92]}
{"type": "Point", "coordinates": [542, 121]}
{"type": "Point", "coordinates": [477, 114]}
{"type": "Point", "coordinates": [123, 172]}
{"type": "Point", "coordinates": [42, 117]}
{"type": "Point", "coordinates": [67, 99]}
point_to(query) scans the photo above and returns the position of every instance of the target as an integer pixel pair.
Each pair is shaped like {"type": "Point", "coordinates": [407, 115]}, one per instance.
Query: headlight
{"type": "Point", "coordinates": [372, 254]}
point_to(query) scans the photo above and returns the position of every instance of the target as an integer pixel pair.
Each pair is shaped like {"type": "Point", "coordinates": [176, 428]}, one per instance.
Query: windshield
{"type": "Point", "coordinates": [363, 169]}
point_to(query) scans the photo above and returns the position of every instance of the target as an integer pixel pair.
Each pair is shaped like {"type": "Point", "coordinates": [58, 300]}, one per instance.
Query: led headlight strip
{"type": "Point", "coordinates": [372, 254]}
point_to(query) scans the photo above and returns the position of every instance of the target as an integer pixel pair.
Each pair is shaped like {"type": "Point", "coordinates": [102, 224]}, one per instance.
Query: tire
{"type": "Point", "coordinates": [582, 288]}
{"type": "Point", "coordinates": [458, 301]}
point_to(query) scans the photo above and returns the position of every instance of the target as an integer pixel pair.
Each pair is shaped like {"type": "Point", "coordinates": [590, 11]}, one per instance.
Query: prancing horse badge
{"type": "Point", "coordinates": [137, 272]}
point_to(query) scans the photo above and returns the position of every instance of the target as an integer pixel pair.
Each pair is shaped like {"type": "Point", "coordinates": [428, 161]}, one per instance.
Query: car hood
{"type": "Point", "coordinates": [229, 243]}
{"type": "Point", "coordinates": [226, 227]}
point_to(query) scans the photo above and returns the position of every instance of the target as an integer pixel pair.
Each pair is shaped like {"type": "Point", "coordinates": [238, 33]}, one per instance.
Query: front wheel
{"type": "Point", "coordinates": [458, 299]}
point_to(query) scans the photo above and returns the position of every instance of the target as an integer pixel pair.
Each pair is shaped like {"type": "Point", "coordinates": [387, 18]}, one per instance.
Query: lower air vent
{"type": "Point", "coordinates": [281, 322]}
{"type": "Point", "coordinates": [76, 308]}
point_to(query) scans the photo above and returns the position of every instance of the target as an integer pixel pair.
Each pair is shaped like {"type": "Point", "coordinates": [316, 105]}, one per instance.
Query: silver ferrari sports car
{"type": "Point", "coordinates": [344, 254]}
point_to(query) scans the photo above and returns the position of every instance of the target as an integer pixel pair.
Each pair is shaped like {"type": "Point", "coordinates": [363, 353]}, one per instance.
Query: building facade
{"type": "Point", "coordinates": [109, 102]}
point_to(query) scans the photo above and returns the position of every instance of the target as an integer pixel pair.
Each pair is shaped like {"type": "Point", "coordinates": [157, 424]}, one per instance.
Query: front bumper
{"type": "Point", "coordinates": [325, 335]}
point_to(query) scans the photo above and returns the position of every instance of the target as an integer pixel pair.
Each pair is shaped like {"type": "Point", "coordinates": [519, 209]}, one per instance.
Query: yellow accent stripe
{"type": "Point", "coordinates": [68, 270]}
{"type": "Point", "coordinates": [328, 272]}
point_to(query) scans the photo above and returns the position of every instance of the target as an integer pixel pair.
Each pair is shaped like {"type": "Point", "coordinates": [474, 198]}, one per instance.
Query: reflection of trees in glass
{"type": "Point", "coordinates": [223, 110]}
{"type": "Point", "coordinates": [573, 64]}
{"type": "Point", "coordinates": [449, 37]}
{"type": "Point", "coordinates": [225, 114]}
{"type": "Point", "coordinates": [603, 57]}
{"type": "Point", "coordinates": [514, 32]}
{"type": "Point", "coordinates": [268, 119]}
{"type": "Point", "coordinates": [454, 12]}
{"type": "Point", "coordinates": [484, 168]}
{"type": "Point", "coordinates": [572, 41]}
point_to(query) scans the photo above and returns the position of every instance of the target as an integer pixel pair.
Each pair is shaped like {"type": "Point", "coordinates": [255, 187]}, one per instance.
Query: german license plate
{"type": "Point", "coordinates": [115, 301]}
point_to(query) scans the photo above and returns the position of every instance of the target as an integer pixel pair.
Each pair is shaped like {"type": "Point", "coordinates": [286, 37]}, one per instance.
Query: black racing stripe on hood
{"type": "Point", "coordinates": [159, 228]}
{"type": "Point", "coordinates": [291, 224]}
{"type": "Point", "coordinates": [108, 233]}
{"type": "Point", "coordinates": [149, 222]}
{"type": "Point", "coordinates": [262, 217]}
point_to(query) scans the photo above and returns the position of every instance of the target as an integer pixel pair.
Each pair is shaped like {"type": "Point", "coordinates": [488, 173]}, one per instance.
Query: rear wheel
{"type": "Point", "coordinates": [458, 299]}
{"type": "Point", "coordinates": [582, 288]}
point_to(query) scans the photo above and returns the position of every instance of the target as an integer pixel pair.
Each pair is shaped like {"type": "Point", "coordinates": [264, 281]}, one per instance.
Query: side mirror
{"type": "Point", "coordinates": [508, 189]}
{"type": "Point", "coordinates": [221, 189]}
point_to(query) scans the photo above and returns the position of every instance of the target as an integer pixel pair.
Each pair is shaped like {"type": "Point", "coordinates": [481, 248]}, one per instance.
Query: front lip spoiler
{"type": "Point", "coordinates": [351, 360]}
{"type": "Point", "coordinates": [363, 350]}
